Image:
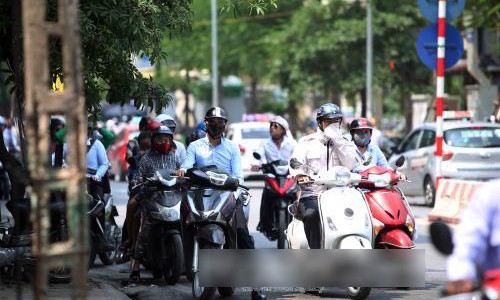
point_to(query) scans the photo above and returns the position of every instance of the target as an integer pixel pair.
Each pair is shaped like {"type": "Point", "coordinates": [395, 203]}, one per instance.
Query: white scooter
{"type": "Point", "coordinates": [344, 214]}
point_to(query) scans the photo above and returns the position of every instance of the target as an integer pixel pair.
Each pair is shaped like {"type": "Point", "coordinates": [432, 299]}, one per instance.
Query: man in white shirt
{"type": "Point", "coordinates": [278, 147]}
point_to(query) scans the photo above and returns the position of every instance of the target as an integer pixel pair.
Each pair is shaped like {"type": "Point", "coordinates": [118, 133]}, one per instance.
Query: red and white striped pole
{"type": "Point", "coordinates": [440, 88]}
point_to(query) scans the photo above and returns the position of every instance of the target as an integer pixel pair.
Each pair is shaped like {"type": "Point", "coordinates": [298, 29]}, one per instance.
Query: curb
{"type": "Point", "coordinates": [108, 291]}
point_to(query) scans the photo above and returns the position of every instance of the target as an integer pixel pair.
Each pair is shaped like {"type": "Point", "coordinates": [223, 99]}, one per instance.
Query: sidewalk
{"type": "Point", "coordinates": [96, 289]}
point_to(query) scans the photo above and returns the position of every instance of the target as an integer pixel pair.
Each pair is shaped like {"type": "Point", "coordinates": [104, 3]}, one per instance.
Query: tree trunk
{"type": "Point", "coordinates": [221, 91]}
{"type": "Point", "coordinates": [186, 95]}
{"type": "Point", "coordinates": [16, 58]}
{"type": "Point", "coordinates": [18, 173]}
{"type": "Point", "coordinates": [362, 93]}
{"type": "Point", "coordinates": [293, 116]}
{"type": "Point", "coordinates": [252, 104]}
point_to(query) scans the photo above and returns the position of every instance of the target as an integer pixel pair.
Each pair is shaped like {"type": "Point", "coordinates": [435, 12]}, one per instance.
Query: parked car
{"type": "Point", "coordinates": [118, 151]}
{"type": "Point", "coordinates": [248, 136]}
{"type": "Point", "coordinates": [471, 151]}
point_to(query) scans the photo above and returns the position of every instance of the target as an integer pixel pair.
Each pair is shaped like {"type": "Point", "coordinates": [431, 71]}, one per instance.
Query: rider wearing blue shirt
{"type": "Point", "coordinates": [214, 149]}
{"type": "Point", "coordinates": [370, 154]}
{"type": "Point", "coordinates": [225, 155]}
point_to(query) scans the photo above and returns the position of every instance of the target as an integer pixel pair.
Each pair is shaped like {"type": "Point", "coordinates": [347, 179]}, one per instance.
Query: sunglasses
{"type": "Point", "coordinates": [275, 126]}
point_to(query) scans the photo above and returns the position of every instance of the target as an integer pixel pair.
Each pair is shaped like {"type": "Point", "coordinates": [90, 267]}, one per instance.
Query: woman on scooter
{"type": "Point", "coordinates": [161, 156]}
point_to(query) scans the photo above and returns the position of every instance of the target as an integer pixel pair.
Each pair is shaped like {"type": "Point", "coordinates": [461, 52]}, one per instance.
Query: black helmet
{"type": "Point", "coordinates": [216, 112]}
{"type": "Point", "coordinates": [162, 130]}
{"type": "Point", "coordinates": [360, 123]}
{"type": "Point", "coordinates": [328, 111]}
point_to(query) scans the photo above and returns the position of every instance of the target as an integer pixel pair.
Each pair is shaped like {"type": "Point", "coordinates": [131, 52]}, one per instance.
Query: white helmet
{"type": "Point", "coordinates": [281, 121]}
{"type": "Point", "coordinates": [167, 121]}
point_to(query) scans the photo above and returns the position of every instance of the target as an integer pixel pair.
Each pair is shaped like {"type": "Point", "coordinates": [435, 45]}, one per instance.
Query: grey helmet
{"type": "Point", "coordinates": [328, 111]}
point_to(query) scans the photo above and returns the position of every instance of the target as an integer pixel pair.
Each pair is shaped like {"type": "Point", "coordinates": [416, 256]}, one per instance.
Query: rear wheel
{"type": "Point", "coordinates": [60, 274]}
{"type": "Point", "coordinates": [281, 229]}
{"type": "Point", "coordinates": [429, 192]}
{"type": "Point", "coordinates": [113, 237]}
{"type": "Point", "coordinates": [358, 293]}
{"type": "Point", "coordinates": [173, 268]}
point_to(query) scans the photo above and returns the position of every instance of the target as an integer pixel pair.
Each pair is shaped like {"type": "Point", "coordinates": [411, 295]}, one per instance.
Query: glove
{"type": "Point", "coordinates": [333, 131]}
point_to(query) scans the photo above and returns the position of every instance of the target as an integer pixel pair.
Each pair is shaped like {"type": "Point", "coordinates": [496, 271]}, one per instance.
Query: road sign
{"type": "Point", "coordinates": [427, 46]}
{"type": "Point", "coordinates": [429, 9]}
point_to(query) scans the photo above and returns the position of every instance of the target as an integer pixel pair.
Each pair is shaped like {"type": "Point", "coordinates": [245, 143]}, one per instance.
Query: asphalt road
{"type": "Point", "coordinates": [150, 289]}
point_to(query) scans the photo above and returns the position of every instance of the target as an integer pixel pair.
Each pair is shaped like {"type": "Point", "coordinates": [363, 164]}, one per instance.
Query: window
{"type": "Point", "coordinates": [255, 133]}
{"type": "Point", "coordinates": [411, 142]}
{"type": "Point", "coordinates": [473, 137]}
{"type": "Point", "coordinates": [428, 138]}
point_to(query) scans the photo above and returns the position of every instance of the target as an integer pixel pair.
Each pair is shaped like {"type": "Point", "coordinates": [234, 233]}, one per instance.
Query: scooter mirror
{"type": "Point", "coordinates": [295, 163]}
{"type": "Point", "coordinates": [256, 155]}
{"type": "Point", "coordinates": [400, 161]}
{"type": "Point", "coordinates": [441, 237]}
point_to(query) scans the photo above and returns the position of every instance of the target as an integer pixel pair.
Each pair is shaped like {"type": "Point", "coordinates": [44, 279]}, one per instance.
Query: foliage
{"type": "Point", "coordinates": [483, 13]}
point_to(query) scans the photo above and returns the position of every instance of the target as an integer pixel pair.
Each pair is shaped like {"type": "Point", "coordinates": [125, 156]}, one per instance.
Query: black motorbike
{"type": "Point", "coordinates": [16, 258]}
{"type": "Point", "coordinates": [105, 235]}
{"type": "Point", "coordinates": [208, 213]}
{"type": "Point", "coordinates": [162, 202]}
{"type": "Point", "coordinates": [282, 189]}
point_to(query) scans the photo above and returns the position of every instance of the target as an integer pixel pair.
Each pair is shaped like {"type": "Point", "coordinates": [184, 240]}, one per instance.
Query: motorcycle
{"type": "Point", "coordinates": [210, 207]}
{"type": "Point", "coordinates": [13, 247]}
{"type": "Point", "coordinates": [164, 254]}
{"type": "Point", "coordinates": [280, 186]}
{"type": "Point", "coordinates": [488, 286]}
{"type": "Point", "coordinates": [344, 215]}
{"type": "Point", "coordinates": [392, 218]}
{"type": "Point", "coordinates": [105, 238]}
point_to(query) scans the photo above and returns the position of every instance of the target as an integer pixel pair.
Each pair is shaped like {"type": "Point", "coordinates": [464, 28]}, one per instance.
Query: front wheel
{"type": "Point", "coordinates": [358, 293]}
{"type": "Point", "coordinates": [199, 292]}
{"type": "Point", "coordinates": [173, 268]}
{"type": "Point", "coordinates": [112, 237]}
{"type": "Point", "coordinates": [282, 224]}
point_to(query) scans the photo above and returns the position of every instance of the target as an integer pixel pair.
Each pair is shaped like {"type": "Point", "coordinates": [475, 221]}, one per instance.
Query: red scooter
{"type": "Point", "coordinates": [393, 221]}
{"type": "Point", "coordinates": [281, 186]}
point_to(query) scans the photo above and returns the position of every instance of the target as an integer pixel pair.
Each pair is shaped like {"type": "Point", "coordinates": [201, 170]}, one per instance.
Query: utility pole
{"type": "Point", "coordinates": [215, 67]}
{"type": "Point", "coordinates": [369, 61]}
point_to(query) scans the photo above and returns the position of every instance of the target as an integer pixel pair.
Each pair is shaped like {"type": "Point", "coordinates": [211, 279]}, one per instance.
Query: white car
{"type": "Point", "coordinates": [248, 136]}
{"type": "Point", "coordinates": [471, 151]}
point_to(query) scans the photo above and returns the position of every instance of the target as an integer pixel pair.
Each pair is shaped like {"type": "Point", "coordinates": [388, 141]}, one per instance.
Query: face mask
{"type": "Point", "coordinates": [362, 140]}
{"type": "Point", "coordinates": [163, 148]}
{"type": "Point", "coordinates": [215, 130]}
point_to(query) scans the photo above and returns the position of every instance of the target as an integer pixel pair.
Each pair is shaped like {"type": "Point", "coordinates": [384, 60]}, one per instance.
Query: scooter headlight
{"type": "Point", "coordinates": [342, 176]}
{"type": "Point", "coordinates": [217, 178]}
{"type": "Point", "coordinates": [377, 226]}
{"type": "Point", "coordinates": [380, 180]}
{"type": "Point", "coordinates": [281, 170]}
{"type": "Point", "coordinates": [410, 224]}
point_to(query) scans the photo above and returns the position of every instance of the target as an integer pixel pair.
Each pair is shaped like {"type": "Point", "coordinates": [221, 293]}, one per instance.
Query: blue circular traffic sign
{"type": "Point", "coordinates": [427, 46]}
{"type": "Point", "coordinates": [429, 9]}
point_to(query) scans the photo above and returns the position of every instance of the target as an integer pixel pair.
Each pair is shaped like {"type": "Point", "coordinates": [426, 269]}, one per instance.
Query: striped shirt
{"type": "Point", "coordinates": [152, 162]}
